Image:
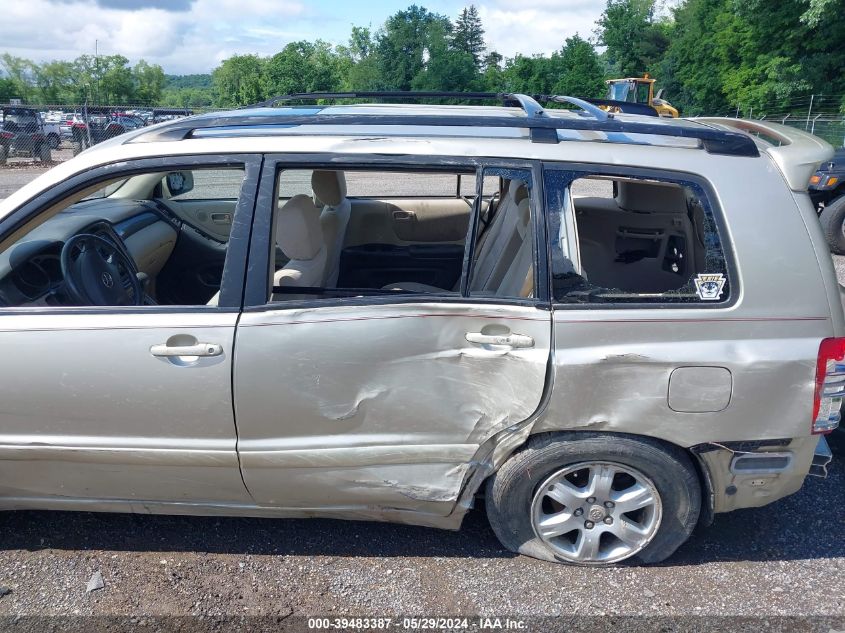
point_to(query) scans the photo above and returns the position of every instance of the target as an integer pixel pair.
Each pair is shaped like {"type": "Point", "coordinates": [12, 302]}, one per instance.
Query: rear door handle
{"type": "Point", "coordinates": [197, 349]}
{"type": "Point", "coordinates": [510, 340]}
{"type": "Point", "coordinates": [221, 218]}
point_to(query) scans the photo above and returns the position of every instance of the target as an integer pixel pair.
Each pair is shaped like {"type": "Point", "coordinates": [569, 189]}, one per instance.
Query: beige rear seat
{"type": "Point", "coordinates": [624, 242]}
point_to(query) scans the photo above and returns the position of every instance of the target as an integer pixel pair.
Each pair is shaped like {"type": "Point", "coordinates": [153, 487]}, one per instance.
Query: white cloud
{"type": "Point", "coordinates": [536, 26]}
{"type": "Point", "coordinates": [195, 40]}
{"type": "Point", "coordinates": [192, 36]}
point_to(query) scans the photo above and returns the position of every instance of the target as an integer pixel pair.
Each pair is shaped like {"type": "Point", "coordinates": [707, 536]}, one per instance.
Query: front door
{"type": "Point", "coordinates": [106, 405]}
{"type": "Point", "coordinates": [349, 399]}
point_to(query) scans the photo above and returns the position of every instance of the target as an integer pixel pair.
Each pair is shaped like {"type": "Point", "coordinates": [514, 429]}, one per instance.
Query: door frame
{"type": "Point", "coordinates": [260, 247]}
{"type": "Point", "coordinates": [234, 270]}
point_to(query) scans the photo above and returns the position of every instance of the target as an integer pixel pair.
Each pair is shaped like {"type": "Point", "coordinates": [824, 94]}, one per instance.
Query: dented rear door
{"type": "Point", "coordinates": [364, 406]}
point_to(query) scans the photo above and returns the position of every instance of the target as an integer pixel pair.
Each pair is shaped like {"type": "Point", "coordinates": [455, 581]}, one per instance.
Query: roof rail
{"type": "Point", "coordinates": [542, 127]}
{"type": "Point", "coordinates": [528, 103]}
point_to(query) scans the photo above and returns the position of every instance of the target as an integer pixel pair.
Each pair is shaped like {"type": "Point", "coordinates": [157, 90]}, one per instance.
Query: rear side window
{"type": "Point", "coordinates": [633, 240]}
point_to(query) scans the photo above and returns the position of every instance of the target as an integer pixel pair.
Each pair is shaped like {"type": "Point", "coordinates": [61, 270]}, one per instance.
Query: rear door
{"type": "Point", "coordinates": [348, 401]}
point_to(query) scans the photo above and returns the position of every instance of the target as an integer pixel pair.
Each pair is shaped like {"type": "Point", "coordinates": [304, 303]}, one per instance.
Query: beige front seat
{"type": "Point", "coordinates": [330, 193]}
{"type": "Point", "coordinates": [299, 235]}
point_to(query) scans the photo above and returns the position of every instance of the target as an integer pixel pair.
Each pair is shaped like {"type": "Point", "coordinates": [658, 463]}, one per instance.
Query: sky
{"type": "Point", "coordinates": [194, 36]}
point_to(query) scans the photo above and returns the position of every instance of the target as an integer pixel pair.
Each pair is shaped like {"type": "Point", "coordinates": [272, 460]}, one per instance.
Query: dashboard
{"type": "Point", "coordinates": [31, 271]}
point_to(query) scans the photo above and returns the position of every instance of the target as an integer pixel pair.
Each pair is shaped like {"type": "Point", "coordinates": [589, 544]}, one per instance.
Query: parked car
{"type": "Point", "coordinates": [97, 129]}
{"type": "Point", "coordinates": [23, 134]}
{"type": "Point", "coordinates": [383, 312]}
{"type": "Point", "coordinates": [66, 125]}
{"type": "Point", "coordinates": [827, 191]}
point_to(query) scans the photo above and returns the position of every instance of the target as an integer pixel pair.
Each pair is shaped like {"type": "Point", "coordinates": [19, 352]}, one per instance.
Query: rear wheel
{"type": "Point", "coordinates": [832, 220]}
{"type": "Point", "coordinates": [594, 499]}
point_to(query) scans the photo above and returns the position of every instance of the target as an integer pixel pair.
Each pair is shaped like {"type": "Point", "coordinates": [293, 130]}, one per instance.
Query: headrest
{"type": "Point", "coordinates": [329, 187]}
{"type": "Point", "coordinates": [521, 192]}
{"type": "Point", "coordinates": [651, 197]}
{"type": "Point", "coordinates": [298, 231]}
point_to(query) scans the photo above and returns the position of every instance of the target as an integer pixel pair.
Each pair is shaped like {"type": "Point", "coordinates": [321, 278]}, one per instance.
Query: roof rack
{"type": "Point", "coordinates": [542, 127]}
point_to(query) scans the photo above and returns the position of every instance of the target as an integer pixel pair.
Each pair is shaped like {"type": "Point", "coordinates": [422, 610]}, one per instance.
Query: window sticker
{"type": "Point", "coordinates": [709, 286]}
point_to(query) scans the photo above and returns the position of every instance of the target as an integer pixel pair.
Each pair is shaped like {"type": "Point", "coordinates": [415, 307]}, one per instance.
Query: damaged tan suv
{"type": "Point", "coordinates": [610, 326]}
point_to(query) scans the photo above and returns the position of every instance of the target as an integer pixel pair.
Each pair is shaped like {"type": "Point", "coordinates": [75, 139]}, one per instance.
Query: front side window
{"type": "Point", "coordinates": [153, 238]}
{"type": "Point", "coordinates": [636, 240]}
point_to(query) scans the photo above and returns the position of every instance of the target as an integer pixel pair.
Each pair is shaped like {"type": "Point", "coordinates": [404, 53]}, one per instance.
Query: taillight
{"type": "Point", "coordinates": [830, 385]}
{"type": "Point", "coordinates": [7, 135]}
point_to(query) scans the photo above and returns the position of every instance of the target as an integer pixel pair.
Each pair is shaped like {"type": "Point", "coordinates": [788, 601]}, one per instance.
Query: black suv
{"type": "Point", "coordinates": [22, 134]}
{"type": "Point", "coordinates": [827, 191]}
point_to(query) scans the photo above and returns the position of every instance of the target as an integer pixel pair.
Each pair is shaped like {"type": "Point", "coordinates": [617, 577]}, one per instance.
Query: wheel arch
{"type": "Point", "coordinates": [503, 448]}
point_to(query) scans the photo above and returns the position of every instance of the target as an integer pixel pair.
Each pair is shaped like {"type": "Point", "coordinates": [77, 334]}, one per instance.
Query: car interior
{"type": "Point", "coordinates": [638, 237]}
{"type": "Point", "coordinates": [161, 237]}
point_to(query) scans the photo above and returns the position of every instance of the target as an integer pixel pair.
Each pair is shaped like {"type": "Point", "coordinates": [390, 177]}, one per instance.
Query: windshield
{"type": "Point", "coordinates": [619, 91]}
{"type": "Point", "coordinates": [19, 120]}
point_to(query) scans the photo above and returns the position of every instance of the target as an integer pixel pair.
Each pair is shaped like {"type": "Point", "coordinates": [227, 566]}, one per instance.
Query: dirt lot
{"type": "Point", "coordinates": [776, 563]}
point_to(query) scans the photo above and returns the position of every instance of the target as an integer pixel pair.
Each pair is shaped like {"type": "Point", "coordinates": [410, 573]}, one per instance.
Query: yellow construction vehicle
{"type": "Point", "coordinates": [639, 90]}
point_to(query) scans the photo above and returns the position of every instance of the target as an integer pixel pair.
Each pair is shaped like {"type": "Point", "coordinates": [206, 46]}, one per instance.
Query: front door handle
{"type": "Point", "coordinates": [197, 349]}
{"type": "Point", "coordinates": [510, 340]}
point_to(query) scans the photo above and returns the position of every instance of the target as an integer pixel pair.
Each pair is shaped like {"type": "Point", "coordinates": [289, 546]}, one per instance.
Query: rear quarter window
{"type": "Point", "coordinates": [630, 239]}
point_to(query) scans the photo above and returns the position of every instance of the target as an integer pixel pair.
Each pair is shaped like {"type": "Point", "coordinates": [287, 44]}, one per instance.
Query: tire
{"type": "Point", "coordinates": [832, 220]}
{"type": "Point", "coordinates": [44, 153]}
{"type": "Point", "coordinates": [54, 141]}
{"type": "Point", "coordinates": [664, 472]}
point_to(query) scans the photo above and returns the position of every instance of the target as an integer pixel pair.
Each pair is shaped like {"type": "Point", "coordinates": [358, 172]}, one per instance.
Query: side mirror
{"type": "Point", "coordinates": [178, 182]}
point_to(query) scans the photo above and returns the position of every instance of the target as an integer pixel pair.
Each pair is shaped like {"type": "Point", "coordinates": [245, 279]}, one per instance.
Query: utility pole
{"type": "Point", "coordinates": [97, 70]}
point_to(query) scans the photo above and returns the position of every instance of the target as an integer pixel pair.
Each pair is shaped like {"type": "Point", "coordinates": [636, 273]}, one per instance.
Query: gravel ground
{"type": "Point", "coordinates": [786, 559]}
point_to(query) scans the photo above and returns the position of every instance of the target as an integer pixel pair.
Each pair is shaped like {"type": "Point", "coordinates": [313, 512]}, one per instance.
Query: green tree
{"type": "Point", "coordinates": [404, 43]}
{"type": "Point", "coordinates": [7, 89]}
{"type": "Point", "coordinates": [21, 72]}
{"type": "Point", "coordinates": [446, 68]}
{"type": "Point", "coordinates": [238, 81]}
{"type": "Point", "coordinates": [303, 67]}
{"type": "Point", "coordinates": [468, 34]}
{"type": "Point", "coordinates": [115, 85]}
{"type": "Point", "coordinates": [363, 70]}
{"type": "Point", "coordinates": [578, 68]}
{"type": "Point", "coordinates": [635, 40]}
{"type": "Point", "coordinates": [56, 82]}
{"type": "Point", "coordinates": [149, 82]}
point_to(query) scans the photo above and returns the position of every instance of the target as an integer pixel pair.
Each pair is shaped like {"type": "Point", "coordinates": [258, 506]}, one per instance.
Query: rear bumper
{"type": "Point", "coordinates": [754, 474]}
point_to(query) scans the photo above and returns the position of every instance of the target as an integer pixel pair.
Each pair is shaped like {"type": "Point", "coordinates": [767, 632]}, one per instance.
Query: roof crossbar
{"type": "Point", "coordinates": [542, 127]}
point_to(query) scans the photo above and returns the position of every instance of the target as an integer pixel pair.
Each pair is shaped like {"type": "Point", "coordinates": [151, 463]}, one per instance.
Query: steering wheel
{"type": "Point", "coordinates": [96, 272]}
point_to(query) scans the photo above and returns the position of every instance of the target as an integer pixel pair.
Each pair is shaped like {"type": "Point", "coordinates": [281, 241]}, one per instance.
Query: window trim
{"type": "Point", "coordinates": [255, 293]}
{"type": "Point", "coordinates": [577, 171]}
{"type": "Point", "coordinates": [234, 270]}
